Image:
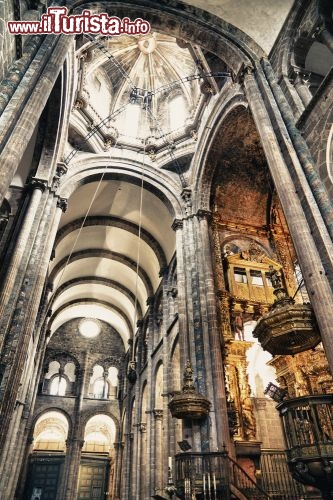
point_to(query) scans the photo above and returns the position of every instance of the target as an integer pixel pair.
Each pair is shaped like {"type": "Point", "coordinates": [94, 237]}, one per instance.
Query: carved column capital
{"type": "Point", "coordinates": [158, 414]}
{"type": "Point", "coordinates": [75, 441]}
{"type": "Point", "coordinates": [177, 224]}
{"type": "Point", "coordinates": [80, 102]}
{"type": "Point", "coordinates": [245, 71]}
{"type": "Point", "coordinates": [60, 171]}
{"type": "Point", "coordinates": [204, 214]}
{"type": "Point", "coordinates": [36, 183]}
{"type": "Point", "coordinates": [62, 203]}
{"type": "Point", "coordinates": [186, 194]}
{"type": "Point", "coordinates": [143, 427]}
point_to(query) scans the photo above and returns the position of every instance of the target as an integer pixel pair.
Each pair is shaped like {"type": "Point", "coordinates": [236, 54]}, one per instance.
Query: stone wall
{"type": "Point", "coordinates": [68, 339]}
{"type": "Point", "coordinates": [268, 424]}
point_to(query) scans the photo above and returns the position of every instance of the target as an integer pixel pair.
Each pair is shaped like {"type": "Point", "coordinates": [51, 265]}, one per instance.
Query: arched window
{"type": "Point", "coordinates": [101, 389]}
{"type": "Point", "coordinates": [60, 377]}
{"type": "Point", "coordinates": [51, 431]}
{"type": "Point", "coordinates": [99, 436]}
{"type": "Point", "coordinates": [58, 386]}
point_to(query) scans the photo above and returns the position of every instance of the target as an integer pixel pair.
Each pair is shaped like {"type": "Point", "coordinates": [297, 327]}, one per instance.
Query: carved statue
{"type": "Point", "coordinates": [249, 422]}
{"type": "Point", "coordinates": [275, 278]}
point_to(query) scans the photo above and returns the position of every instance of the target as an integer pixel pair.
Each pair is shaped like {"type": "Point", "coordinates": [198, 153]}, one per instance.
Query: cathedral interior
{"type": "Point", "coordinates": [166, 281]}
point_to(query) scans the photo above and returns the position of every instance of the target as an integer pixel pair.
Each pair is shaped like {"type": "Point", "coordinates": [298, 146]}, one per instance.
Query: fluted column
{"type": "Point", "coordinates": [307, 180]}
{"type": "Point", "coordinates": [126, 474]}
{"type": "Point", "coordinates": [177, 226]}
{"type": "Point", "coordinates": [314, 275]}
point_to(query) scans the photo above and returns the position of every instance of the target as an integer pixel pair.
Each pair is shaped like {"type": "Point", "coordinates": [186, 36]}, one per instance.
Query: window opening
{"type": "Point", "coordinates": [256, 278]}
{"type": "Point", "coordinates": [58, 386]}
{"type": "Point", "coordinates": [101, 389]}
{"type": "Point", "coordinates": [240, 275]}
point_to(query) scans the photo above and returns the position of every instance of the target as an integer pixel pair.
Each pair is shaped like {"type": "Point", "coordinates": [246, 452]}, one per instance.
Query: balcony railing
{"type": "Point", "coordinates": [308, 429]}
{"type": "Point", "coordinates": [213, 476]}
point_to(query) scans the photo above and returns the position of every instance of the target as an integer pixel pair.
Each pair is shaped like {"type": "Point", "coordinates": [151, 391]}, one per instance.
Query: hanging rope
{"type": "Point", "coordinates": [85, 217]}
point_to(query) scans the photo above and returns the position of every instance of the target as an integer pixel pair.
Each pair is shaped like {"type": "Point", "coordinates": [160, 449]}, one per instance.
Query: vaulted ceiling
{"type": "Point", "coordinates": [260, 19]}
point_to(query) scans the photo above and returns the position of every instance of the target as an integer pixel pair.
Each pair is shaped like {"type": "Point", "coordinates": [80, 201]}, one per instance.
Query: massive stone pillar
{"type": "Point", "coordinates": [213, 337]}
{"type": "Point", "coordinates": [70, 481]}
{"type": "Point", "coordinates": [16, 72]}
{"type": "Point", "coordinates": [296, 154]}
{"type": "Point", "coordinates": [21, 115]}
{"type": "Point", "coordinates": [19, 347]}
{"type": "Point", "coordinates": [118, 460]}
{"type": "Point", "coordinates": [69, 485]}
{"type": "Point", "coordinates": [15, 266]}
{"type": "Point", "coordinates": [309, 259]}
{"type": "Point", "coordinates": [200, 336]}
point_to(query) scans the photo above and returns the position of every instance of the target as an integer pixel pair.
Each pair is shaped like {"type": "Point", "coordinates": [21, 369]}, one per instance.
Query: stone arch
{"type": "Point", "coordinates": [205, 173]}
{"type": "Point", "coordinates": [108, 255]}
{"type": "Point", "coordinates": [44, 411]}
{"type": "Point", "coordinates": [90, 169]}
{"type": "Point", "coordinates": [105, 304]}
{"type": "Point", "coordinates": [63, 358]}
{"type": "Point", "coordinates": [238, 236]}
{"type": "Point", "coordinates": [103, 433]}
{"type": "Point", "coordinates": [235, 158]}
{"type": "Point", "coordinates": [87, 415]}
